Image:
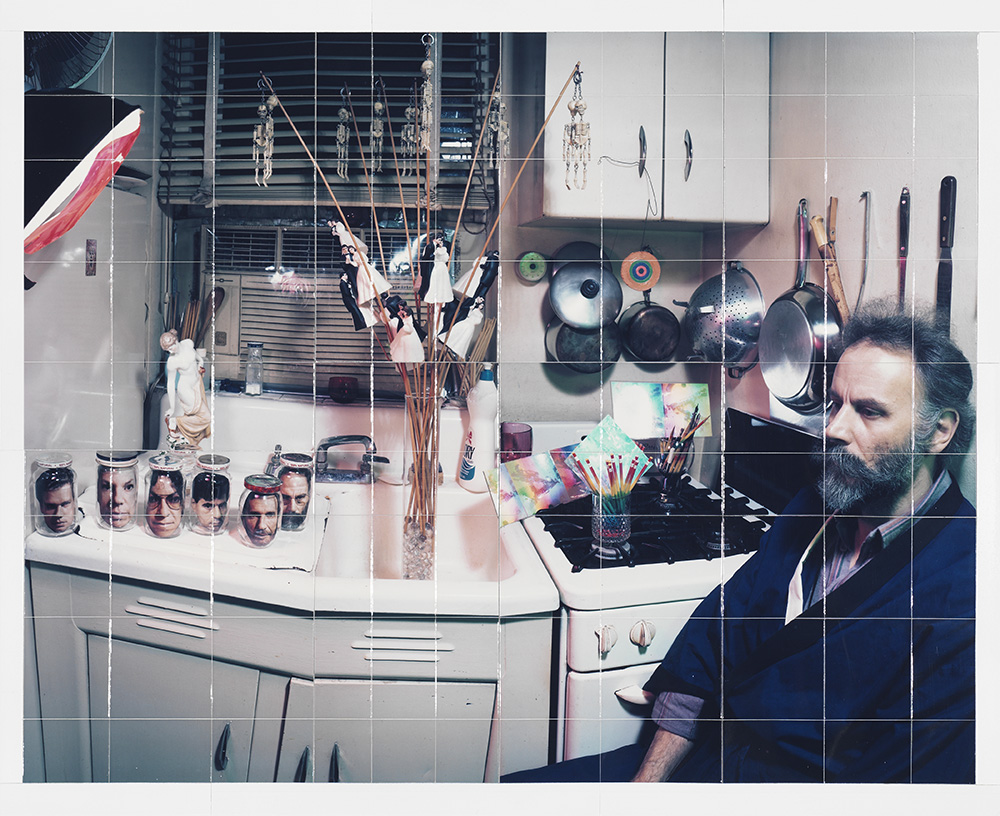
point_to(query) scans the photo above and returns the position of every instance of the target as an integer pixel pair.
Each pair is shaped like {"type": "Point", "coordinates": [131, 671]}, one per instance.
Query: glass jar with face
{"type": "Point", "coordinates": [260, 510]}
{"type": "Point", "coordinates": [53, 495]}
{"type": "Point", "coordinates": [295, 475]}
{"type": "Point", "coordinates": [208, 500]}
{"type": "Point", "coordinates": [164, 496]}
{"type": "Point", "coordinates": [117, 489]}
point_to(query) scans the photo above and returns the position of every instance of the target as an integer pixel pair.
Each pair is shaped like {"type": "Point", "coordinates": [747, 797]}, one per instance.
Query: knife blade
{"type": "Point", "coordinates": [904, 242]}
{"type": "Point", "coordinates": [946, 242]}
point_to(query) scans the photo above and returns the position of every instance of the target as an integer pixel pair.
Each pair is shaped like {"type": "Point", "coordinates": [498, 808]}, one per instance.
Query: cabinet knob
{"type": "Point", "coordinates": [642, 633]}
{"type": "Point", "coordinates": [222, 750]}
{"type": "Point", "coordinates": [607, 637]}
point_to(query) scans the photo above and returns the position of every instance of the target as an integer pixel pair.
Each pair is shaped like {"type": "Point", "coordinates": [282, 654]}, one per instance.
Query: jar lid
{"type": "Point", "coordinates": [117, 458]}
{"type": "Point", "coordinates": [296, 460]}
{"type": "Point", "coordinates": [55, 459]}
{"type": "Point", "coordinates": [164, 461]}
{"type": "Point", "coordinates": [213, 461]}
{"type": "Point", "coordinates": [255, 344]}
{"type": "Point", "coordinates": [262, 483]}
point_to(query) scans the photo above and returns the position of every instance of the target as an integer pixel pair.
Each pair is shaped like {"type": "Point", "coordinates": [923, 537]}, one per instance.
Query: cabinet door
{"type": "Point", "coordinates": [622, 85]}
{"type": "Point", "coordinates": [164, 716]}
{"type": "Point", "coordinates": [717, 109]}
{"type": "Point", "coordinates": [385, 731]}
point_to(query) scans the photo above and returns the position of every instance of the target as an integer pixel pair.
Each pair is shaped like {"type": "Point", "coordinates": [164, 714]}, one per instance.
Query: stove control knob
{"type": "Point", "coordinates": [607, 637]}
{"type": "Point", "coordinates": [642, 633]}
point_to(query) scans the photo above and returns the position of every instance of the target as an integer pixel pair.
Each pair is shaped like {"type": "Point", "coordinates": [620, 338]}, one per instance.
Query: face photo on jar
{"type": "Point", "coordinates": [165, 504]}
{"type": "Point", "coordinates": [210, 502]}
{"type": "Point", "coordinates": [294, 498]}
{"type": "Point", "coordinates": [117, 495]}
{"type": "Point", "coordinates": [260, 518]}
{"type": "Point", "coordinates": [56, 500]}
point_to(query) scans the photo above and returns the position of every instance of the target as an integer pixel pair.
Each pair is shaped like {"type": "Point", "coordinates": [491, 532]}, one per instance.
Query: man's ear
{"type": "Point", "coordinates": [944, 430]}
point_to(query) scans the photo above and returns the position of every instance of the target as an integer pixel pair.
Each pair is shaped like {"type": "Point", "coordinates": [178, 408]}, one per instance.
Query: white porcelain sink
{"type": "Point", "coordinates": [364, 534]}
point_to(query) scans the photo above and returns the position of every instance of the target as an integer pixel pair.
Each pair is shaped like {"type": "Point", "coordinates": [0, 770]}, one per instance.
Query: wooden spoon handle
{"type": "Point", "coordinates": [832, 270]}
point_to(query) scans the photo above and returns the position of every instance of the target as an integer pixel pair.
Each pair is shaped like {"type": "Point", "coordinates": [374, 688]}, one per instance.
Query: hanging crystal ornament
{"type": "Point", "coordinates": [576, 136]}
{"type": "Point", "coordinates": [375, 136]}
{"type": "Point", "coordinates": [343, 136]}
{"type": "Point", "coordinates": [427, 96]}
{"type": "Point", "coordinates": [498, 129]}
{"type": "Point", "coordinates": [263, 137]}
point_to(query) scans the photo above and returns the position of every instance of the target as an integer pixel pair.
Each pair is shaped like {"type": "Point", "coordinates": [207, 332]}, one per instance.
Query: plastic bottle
{"type": "Point", "coordinates": [480, 453]}
{"type": "Point", "coordinates": [255, 369]}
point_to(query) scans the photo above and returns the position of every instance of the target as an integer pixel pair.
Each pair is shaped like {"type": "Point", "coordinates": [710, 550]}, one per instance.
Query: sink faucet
{"type": "Point", "coordinates": [274, 462]}
{"type": "Point", "coordinates": [364, 473]}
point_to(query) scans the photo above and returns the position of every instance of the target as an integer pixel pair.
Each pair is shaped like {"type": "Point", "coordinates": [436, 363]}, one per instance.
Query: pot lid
{"type": "Point", "coordinates": [585, 295]}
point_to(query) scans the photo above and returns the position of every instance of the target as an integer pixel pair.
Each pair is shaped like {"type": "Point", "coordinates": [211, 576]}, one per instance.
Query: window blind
{"type": "Point", "coordinates": [308, 72]}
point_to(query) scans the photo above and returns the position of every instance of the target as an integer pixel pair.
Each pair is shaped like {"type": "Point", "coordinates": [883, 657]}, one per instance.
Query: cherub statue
{"type": "Point", "coordinates": [187, 417]}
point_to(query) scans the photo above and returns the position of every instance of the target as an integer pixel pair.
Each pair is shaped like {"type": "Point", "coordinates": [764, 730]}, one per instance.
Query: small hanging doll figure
{"type": "Point", "coordinates": [405, 345]}
{"type": "Point", "coordinates": [465, 330]}
{"type": "Point", "coordinates": [439, 287]}
{"type": "Point", "coordinates": [409, 138]}
{"type": "Point", "coordinates": [343, 141]}
{"type": "Point", "coordinates": [482, 277]}
{"type": "Point", "coordinates": [369, 280]}
{"type": "Point", "coordinates": [376, 136]}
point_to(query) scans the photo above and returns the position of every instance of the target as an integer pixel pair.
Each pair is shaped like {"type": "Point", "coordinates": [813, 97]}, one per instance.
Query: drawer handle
{"type": "Point", "coordinates": [404, 644]}
{"type": "Point", "coordinates": [170, 626]}
{"type": "Point", "coordinates": [187, 609]}
{"type": "Point", "coordinates": [185, 620]}
{"type": "Point", "coordinates": [222, 750]}
{"type": "Point", "coordinates": [302, 771]}
{"type": "Point", "coordinates": [405, 657]}
{"type": "Point", "coordinates": [636, 695]}
{"type": "Point", "coordinates": [417, 634]}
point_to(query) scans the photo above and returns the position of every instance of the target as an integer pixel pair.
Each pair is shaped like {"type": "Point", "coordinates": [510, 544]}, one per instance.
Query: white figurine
{"type": "Point", "coordinates": [405, 346]}
{"type": "Point", "coordinates": [369, 280]}
{"type": "Point", "coordinates": [465, 331]}
{"type": "Point", "coordinates": [188, 418]}
{"type": "Point", "coordinates": [464, 288]}
{"type": "Point", "coordinates": [439, 288]}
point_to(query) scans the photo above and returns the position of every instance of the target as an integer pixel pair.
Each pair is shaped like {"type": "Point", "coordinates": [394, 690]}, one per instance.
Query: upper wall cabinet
{"type": "Point", "coordinates": [692, 107]}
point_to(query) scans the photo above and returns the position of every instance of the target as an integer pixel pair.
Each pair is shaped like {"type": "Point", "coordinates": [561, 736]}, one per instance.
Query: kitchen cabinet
{"type": "Point", "coordinates": [706, 94]}
{"type": "Point", "coordinates": [347, 730]}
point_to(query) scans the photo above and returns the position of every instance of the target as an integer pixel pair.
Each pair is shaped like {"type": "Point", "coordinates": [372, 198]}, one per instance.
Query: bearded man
{"type": "Point", "coordinates": [843, 650]}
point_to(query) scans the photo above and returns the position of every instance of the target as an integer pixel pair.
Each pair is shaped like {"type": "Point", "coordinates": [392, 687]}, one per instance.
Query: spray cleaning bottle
{"type": "Point", "coordinates": [480, 454]}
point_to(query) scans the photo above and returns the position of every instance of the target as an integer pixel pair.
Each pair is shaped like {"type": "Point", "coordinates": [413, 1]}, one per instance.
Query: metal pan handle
{"type": "Point", "coordinates": [800, 274]}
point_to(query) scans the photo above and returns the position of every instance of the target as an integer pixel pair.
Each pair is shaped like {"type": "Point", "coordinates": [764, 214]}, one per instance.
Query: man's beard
{"type": "Point", "coordinates": [849, 486]}
{"type": "Point", "coordinates": [292, 521]}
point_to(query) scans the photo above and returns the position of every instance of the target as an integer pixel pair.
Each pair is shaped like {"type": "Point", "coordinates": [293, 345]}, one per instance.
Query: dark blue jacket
{"type": "Point", "coordinates": [829, 696]}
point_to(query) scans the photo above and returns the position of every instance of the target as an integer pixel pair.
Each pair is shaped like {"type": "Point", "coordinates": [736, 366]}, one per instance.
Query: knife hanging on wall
{"type": "Point", "coordinates": [946, 242]}
{"type": "Point", "coordinates": [904, 242]}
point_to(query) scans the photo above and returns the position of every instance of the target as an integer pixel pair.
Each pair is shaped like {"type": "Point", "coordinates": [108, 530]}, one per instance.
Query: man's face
{"type": "Point", "coordinates": [294, 500]}
{"type": "Point", "coordinates": [869, 458]}
{"type": "Point", "coordinates": [116, 496]}
{"type": "Point", "coordinates": [58, 508]}
{"type": "Point", "coordinates": [260, 519]}
{"type": "Point", "coordinates": [164, 508]}
{"type": "Point", "coordinates": [211, 515]}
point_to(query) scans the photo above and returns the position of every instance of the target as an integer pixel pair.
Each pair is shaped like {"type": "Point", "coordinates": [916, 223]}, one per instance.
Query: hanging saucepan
{"type": "Point", "coordinates": [794, 338]}
{"type": "Point", "coordinates": [725, 329]}
{"type": "Point", "coordinates": [650, 332]}
{"type": "Point", "coordinates": [585, 294]}
{"type": "Point", "coordinates": [583, 351]}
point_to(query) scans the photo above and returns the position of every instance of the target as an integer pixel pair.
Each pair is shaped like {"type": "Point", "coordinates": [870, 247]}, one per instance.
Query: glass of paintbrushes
{"type": "Point", "coordinates": [611, 481]}
{"type": "Point", "coordinates": [673, 457]}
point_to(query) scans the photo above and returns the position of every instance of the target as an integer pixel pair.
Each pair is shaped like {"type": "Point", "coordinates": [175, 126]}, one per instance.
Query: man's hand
{"type": "Point", "coordinates": [664, 755]}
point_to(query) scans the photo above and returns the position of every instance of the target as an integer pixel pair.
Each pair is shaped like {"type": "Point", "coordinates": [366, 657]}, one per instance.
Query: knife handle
{"type": "Point", "coordinates": [904, 222]}
{"type": "Point", "coordinates": [948, 190]}
{"type": "Point", "coordinates": [833, 219]}
{"type": "Point", "coordinates": [832, 269]}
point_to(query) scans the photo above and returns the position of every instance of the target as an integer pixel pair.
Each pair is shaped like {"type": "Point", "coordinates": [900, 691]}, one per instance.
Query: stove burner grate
{"type": "Point", "coordinates": [692, 528]}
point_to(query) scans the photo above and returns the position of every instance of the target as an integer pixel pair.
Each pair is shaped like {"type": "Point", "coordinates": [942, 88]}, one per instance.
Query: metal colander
{"type": "Point", "coordinates": [725, 332]}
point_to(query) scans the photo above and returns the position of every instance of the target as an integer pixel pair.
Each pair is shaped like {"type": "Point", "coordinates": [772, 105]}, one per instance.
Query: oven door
{"type": "Point", "coordinates": [597, 718]}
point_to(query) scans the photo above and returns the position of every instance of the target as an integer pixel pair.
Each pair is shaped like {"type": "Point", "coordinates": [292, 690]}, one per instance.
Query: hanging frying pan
{"type": "Point", "coordinates": [583, 351]}
{"type": "Point", "coordinates": [650, 332]}
{"type": "Point", "coordinates": [795, 335]}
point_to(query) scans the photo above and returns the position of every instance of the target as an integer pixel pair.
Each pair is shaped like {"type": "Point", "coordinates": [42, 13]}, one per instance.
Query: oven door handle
{"type": "Point", "coordinates": [636, 695]}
